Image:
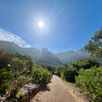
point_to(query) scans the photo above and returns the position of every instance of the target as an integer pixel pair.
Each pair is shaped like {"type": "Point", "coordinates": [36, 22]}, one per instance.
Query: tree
{"type": "Point", "coordinates": [95, 44]}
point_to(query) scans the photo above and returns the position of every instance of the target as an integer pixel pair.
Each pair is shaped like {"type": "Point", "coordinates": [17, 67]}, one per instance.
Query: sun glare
{"type": "Point", "coordinates": [41, 24]}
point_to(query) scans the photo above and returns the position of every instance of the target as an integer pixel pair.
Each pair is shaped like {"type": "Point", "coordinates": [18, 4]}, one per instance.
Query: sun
{"type": "Point", "coordinates": [41, 24]}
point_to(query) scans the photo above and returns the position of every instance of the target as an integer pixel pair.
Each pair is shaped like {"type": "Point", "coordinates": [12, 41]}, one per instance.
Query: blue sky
{"type": "Point", "coordinates": [69, 24]}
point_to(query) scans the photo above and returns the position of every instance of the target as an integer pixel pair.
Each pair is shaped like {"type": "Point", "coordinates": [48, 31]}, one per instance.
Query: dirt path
{"type": "Point", "coordinates": [57, 92]}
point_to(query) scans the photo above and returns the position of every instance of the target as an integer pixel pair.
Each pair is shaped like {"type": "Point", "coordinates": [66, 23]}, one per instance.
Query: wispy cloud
{"type": "Point", "coordinates": [8, 36]}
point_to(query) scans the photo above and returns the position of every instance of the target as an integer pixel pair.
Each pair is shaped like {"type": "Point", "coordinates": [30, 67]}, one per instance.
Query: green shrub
{"type": "Point", "coordinates": [5, 80]}
{"type": "Point", "coordinates": [70, 73]}
{"type": "Point", "coordinates": [62, 75]}
{"type": "Point", "coordinates": [23, 97]}
{"type": "Point", "coordinates": [15, 87]}
{"type": "Point", "coordinates": [72, 70]}
{"type": "Point", "coordinates": [21, 65]}
{"type": "Point", "coordinates": [4, 87]}
{"type": "Point", "coordinates": [85, 63]}
{"type": "Point", "coordinates": [90, 80]}
{"type": "Point", "coordinates": [40, 75]}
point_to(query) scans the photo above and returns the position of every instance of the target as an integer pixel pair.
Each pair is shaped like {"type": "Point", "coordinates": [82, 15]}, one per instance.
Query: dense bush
{"type": "Point", "coordinates": [56, 70]}
{"type": "Point", "coordinates": [72, 70]}
{"type": "Point", "coordinates": [15, 86]}
{"type": "Point", "coordinates": [21, 65]}
{"type": "Point", "coordinates": [69, 73]}
{"type": "Point", "coordinates": [40, 75]}
{"type": "Point", "coordinates": [85, 63]}
{"type": "Point", "coordinates": [14, 70]}
{"type": "Point", "coordinates": [5, 80]}
{"type": "Point", "coordinates": [90, 80]}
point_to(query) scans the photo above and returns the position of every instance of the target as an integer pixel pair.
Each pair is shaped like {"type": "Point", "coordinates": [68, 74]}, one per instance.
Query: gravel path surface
{"type": "Point", "coordinates": [58, 92]}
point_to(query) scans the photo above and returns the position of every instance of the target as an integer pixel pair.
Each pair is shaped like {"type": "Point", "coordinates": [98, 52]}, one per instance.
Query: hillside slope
{"type": "Point", "coordinates": [70, 56]}
{"type": "Point", "coordinates": [39, 56]}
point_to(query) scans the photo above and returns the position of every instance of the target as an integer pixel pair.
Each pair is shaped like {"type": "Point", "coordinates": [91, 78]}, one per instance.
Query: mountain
{"type": "Point", "coordinates": [39, 56]}
{"type": "Point", "coordinates": [44, 56]}
{"type": "Point", "coordinates": [48, 58]}
{"type": "Point", "coordinates": [70, 56]}
{"type": "Point", "coordinates": [15, 44]}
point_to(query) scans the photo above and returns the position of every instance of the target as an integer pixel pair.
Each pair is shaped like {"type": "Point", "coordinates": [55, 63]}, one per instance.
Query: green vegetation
{"type": "Point", "coordinates": [95, 44]}
{"type": "Point", "coordinates": [56, 70]}
{"type": "Point", "coordinates": [72, 70]}
{"type": "Point", "coordinates": [90, 81]}
{"type": "Point", "coordinates": [5, 79]}
{"type": "Point", "coordinates": [87, 73]}
{"type": "Point", "coordinates": [16, 70]}
{"type": "Point", "coordinates": [40, 75]}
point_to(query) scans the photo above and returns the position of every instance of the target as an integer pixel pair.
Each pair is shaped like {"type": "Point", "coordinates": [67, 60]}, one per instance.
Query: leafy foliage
{"type": "Point", "coordinates": [20, 65]}
{"type": "Point", "coordinates": [40, 75]}
{"type": "Point", "coordinates": [16, 70]}
{"type": "Point", "coordinates": [72, 70]}
{"type": "Point", "coordinates": [90, 80]}
{"type": "Point", "coordinates": [95, 44]}
{"type": "Point", "coordinates": [11, 71]}
{"type": "Point", "coordinates": [5, 79]}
